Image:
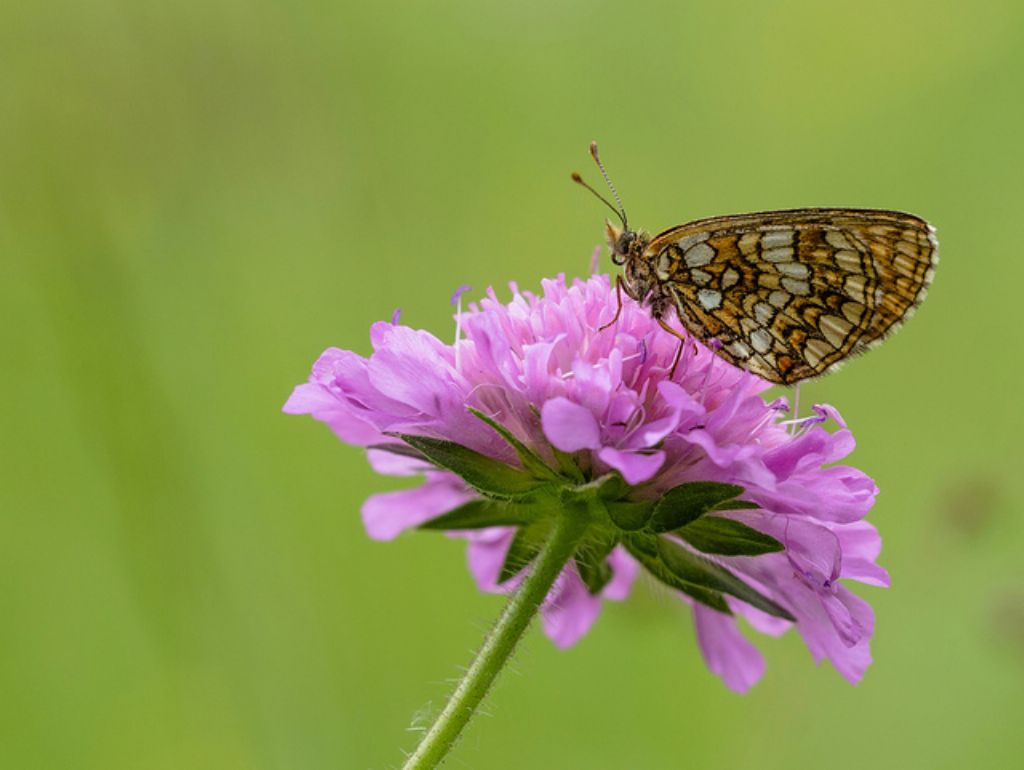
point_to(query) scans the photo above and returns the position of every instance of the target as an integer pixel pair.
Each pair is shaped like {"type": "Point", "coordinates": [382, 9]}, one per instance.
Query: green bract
{"type": "Point", "coordinates": [663, 534]}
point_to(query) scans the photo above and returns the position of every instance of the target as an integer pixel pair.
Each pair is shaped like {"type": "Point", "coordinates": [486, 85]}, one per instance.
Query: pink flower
{"type": "Point", "coordinates": [605, 406]}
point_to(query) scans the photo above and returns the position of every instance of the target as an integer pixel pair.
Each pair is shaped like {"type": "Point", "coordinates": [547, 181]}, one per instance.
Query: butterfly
{"type": "Point", "coordinates": [787, 295]}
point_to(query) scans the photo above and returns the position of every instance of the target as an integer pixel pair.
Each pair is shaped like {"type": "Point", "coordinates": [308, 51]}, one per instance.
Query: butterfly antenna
{"type": "Point", "coordinates": [579, 180]}
{"type": "Point", "coordinates": [615, 193]}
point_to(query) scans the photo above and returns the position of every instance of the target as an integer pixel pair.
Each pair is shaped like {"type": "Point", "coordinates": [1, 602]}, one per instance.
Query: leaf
{"type": "Point", "coordinates": [630, 516]}
{"type": "Point", "coordinates": [524, 548]}
{"type": "Point", "coordinates": [713, 534]}
{"type": "Point", "coordinates": [696, 569]}
{"type": "Point", "coordinates": [736, 505]}
{"type": "Point", "coordinates": [592, 563]}
{"type": "Point", "coordinates": [486, 474]}
{"type": "Point", "coordinates": [400, 449]}
{"type": "Point", "coordinates": [531, 460]}
{"type": "Point", "coordinates": [687, 502]}
{"type": "Point", "coordinates": [644, 550]}
{"type": "Point", "coordinates": [595, 575]}
{"type": "Point", "coordinates": [477, 514]}
{"type": "Point", "coordinates": [610, 486]}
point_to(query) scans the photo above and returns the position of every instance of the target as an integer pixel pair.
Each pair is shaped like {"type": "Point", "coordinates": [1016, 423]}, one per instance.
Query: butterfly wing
{"type": "Point", "coordinates": [790, 294]}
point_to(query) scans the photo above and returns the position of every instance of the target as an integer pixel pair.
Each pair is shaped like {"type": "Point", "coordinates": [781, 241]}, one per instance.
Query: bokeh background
{"type": "Point", "coordinates": [196, 198]}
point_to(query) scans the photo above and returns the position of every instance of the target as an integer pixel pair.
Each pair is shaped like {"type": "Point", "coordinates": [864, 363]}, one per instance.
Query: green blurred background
{"type": "Point", "coordinates": [196, 198]}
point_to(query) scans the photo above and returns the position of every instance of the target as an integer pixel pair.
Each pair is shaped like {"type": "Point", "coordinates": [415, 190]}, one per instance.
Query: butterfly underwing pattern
{"type": "Point", "coordinates": [787, 295]}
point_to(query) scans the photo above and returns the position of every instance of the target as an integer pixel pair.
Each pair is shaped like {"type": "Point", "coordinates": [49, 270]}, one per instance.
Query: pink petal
{"type": "Point", "coordinates": [653, 432]}
{"type": "Point", "coordinates": [391, 464]}
{"type": "Point", "coordinates": [759, 621]}
{"type": "Point", "coordinates": [387, 515]}
{"type": "Point", "coordinates": [864, 571]}
{"type": "Point", "coordinates": [819, 632]}
{"type": "Point", "coordinates": [805, 450]}
{"type": "Point", "coordinates": [411, 367]}
{"type": "Point", "coordinates": [537, 368]}
{"type": "Point", "coordinates": [843, 619]}
{"type": "Point", "coordinates": [688, 407]}
{"type": "Point", "coordinates": [624, 571]}
{"type": "Point", "coordinates": [722, 455]}
{"type": "Point", "coordinates": [308, 398]}
{"type": "Point", "coordinates": [635, 468]}
{"type": "Point", "coordinates": [570, 610]}
{"type": "Point", "coordinates": [486, 556]}
{"type": "Point", "coordinates": [594, 385]}
{"type": "Point", "coordinates": [812, 549]}
{"type": "Point", "coordinates": [861, 545]}
{"type": "Point", "coordinates": [726, 651]}
{"type": "Point", "coordinates": [569, 426]}
{"type": "Point", "coordinates": [348, 427]}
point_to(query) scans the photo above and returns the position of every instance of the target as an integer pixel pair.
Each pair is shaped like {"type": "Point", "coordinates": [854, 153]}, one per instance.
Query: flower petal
{"type": "Point", "coordinates": [486, 555]}
{"type": "Point", "coordinates": [393, 464]}
{"type": "Point", "coordinates": [688, 407]}
{"type": "Point", "coordinates": [388, 514]}
{"type": "Point", "coordinates": [537, 369]}
{"type": "Point", "coordinates": [570, 610]}
{"type": "Point", "coordinates": [861, 545]}
{"type": "Point", "coordinates": [308, 398]}
{"type": "Point", "coordinates": [412, 368]}
{"type": "Point", "coordinates": [624, 572]}
{"type": "Point", "coordinates": [726, 651]}
{"type": "Point", "coordinates": [569, 426]}
{"type": "Point", "coordinates": [819, 633]}
{"type": "Point", "coordinates": [635, 467]}
{"type": "Point", "coordinates": [760, 621]}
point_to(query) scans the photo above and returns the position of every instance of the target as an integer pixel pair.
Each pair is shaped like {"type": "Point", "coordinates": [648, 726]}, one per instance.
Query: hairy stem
{"type": "Point", "coordinates": [499, 644]}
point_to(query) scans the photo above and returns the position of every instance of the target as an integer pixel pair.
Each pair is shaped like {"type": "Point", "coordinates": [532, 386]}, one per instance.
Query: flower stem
{"type": "Point", "coordinates": [499, 644]}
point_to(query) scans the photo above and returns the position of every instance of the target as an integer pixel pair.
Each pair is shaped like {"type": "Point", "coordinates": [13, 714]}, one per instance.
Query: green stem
{"type": "Point", "coordinates": [521, 608]}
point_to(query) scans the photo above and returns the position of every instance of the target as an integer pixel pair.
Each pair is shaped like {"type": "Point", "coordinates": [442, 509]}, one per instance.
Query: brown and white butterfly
{"type": "Point", "coordinates": [787, 295]}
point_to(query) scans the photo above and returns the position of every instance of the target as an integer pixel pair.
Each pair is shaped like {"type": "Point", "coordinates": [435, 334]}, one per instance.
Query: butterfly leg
{"type": "Point", "coordinates": [618, 310]}
{"type": "Point", "coordinates": [679, 352]}
{"type": "Point", "coordinates": [675, 360]}
{"type": "Point", "coordinates": [796, 408]}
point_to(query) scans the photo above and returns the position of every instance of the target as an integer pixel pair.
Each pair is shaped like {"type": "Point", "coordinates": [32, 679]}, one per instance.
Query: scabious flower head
{"type": "Point", "coordinates": [701, 481]}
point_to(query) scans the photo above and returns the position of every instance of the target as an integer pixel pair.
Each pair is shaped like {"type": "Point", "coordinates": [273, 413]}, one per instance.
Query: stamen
{"type": "Point", "coordinates": [796, 406]}
{"type": "Point", "coordinates": [714, 345]}
{"type": "Point", "coordinates": [635, 420]}
{"type": "Point", "coordinates": [638, 371]}
{"type": "Point", "coordinates": [641, 353]}
{"type": "Point", "coordinates": [457, 301]}
{"type": "Point", "coordinates": [801, 425]}
{"type": "Point", "coordinates": [779, 405]}
{"type": "Point", "coordinates": [458, 293]}
{"type": "Point", "coordinates": [829, 412]}
{"type": "Point", "coordinates": [687, 357]}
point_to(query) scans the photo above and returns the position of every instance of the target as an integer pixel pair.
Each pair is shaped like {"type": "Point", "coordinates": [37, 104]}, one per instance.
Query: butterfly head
{"type": "Point", "coordinates": [627, 245]}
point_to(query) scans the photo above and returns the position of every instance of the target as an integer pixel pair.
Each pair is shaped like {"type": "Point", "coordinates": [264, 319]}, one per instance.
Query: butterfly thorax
{"type": "Point", "coordinates": [640, 279]}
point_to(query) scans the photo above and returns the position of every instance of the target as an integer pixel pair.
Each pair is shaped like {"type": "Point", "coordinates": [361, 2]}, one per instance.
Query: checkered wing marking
{"type": "Point", "coordinates": [790, 294]}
